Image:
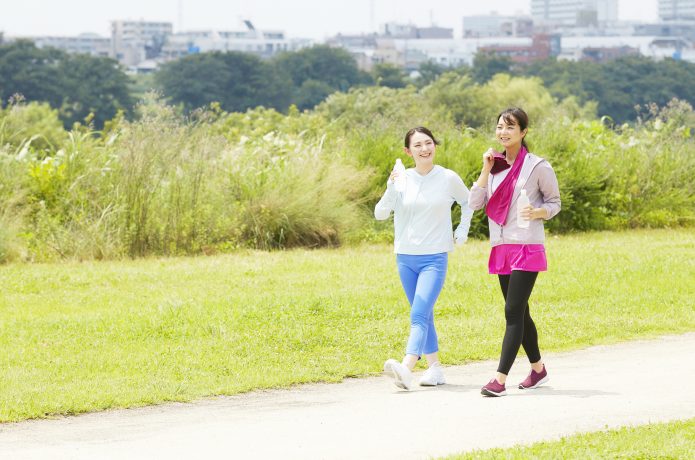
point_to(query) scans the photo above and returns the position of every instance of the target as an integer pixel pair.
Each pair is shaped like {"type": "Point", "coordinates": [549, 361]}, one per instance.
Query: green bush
{"type": "Point", "coordinates": [215, 181]}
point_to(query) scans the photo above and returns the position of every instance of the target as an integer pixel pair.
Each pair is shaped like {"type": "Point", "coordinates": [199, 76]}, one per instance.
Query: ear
{"type": "Point", "coordinates": [523, 133]}
{"type": "Point", "coordinates": [407, 151]}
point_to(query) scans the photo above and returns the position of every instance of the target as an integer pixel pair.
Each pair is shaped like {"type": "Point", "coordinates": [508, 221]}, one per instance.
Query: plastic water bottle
{"type": "Point", "coordinates": [521, 203]}
{"type": "Point", "coordinates": [399, 181]}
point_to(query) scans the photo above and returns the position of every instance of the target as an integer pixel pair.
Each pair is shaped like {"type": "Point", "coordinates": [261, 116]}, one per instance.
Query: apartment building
{"type": "Point", "coordinates": [677, 10]}
{"type": "Point", "coordinates": [494, 25]}
{"type": "Point", "coordinates": [133, 42]}
{"type": "Point", "coordinates": [87, 43]}
{"type": "Point", "coordinates": [574, 12]}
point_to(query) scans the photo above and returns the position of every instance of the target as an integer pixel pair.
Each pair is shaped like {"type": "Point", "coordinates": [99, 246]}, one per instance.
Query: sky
{"type": "Point", "coordinates": [316, 19]}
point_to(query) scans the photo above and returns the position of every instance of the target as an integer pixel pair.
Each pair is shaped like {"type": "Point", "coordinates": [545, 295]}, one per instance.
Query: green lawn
{"type": "Point", "coordinates": [87, 336]}
{"type": "Point", "coordinates": [675, 440]}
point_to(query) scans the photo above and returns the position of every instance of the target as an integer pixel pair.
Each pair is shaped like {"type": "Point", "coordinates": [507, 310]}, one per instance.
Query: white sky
{"type": "Point", "coordinates": [316, 19]}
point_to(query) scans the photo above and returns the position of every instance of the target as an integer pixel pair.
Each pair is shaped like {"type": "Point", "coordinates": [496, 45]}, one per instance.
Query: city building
{"type": "Point", "coordinates": [677, 10]}
{"type": "Point", "coordinates": [494, 25]}
{"type": "Point", "coordinates": [395, 30]}
{"type": "Point", "coordinates": [263, 43]}
{"type": "Point", "coordinates": [542, 47]}
{"type": "Point", "coordinates": [87, 43]}
{"type": "Point", "coordinates": [574, 12]}
{"type": "Point", "coordinates": [602, 47]}
{"type": "Point", "coordinates": [133, 42]}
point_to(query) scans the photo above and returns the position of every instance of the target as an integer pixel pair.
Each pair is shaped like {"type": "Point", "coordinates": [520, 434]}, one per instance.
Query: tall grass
{"type": "Point", "coordinates": [166, 184]}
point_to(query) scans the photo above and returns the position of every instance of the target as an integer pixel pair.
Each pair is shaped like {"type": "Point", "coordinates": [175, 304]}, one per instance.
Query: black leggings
{"type": "Point", "coordinates": [520, 330]}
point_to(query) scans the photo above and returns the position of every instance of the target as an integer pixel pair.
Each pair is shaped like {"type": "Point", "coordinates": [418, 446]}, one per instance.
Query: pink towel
{"type": "Point", "coordinates": [498, 204]}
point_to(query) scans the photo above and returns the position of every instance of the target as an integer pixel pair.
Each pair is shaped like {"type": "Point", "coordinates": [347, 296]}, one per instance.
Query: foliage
{"type": "Point", "coordinates": [619, 85]}
{"type": "Point", "coordinates": [488, 64]}
{"type": "Point", "coordinates": [428, 72]}
{"type": "Point", "coordinates": [332, 66]}
{"type": "Point", "coordinates": [81, 87]}
{"type": "Point", "coordinates": [216, 180]}
{"type": "Point", "coordinates": [235, 80]}
{"type": "Point", "coordinates": [389, 75]}
{"type": "Point", "coordinates": [317, 72]}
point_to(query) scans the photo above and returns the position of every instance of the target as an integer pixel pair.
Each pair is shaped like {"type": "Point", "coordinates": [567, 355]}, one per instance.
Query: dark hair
{"type": "Point", "coordinates": [515, 116]}
{"type": "Point", "coordinates": [419, 129]}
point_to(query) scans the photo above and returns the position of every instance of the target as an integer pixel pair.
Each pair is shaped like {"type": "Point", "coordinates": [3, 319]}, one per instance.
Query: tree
{"type": "Point", "coordinates": [237, 81]}
{"type": "Point", "coordinates": [93, 85]}
{"type": "Point", "coordinates": [333, 66]}
{"type": "Point", "coordinates": [77, 85]}
{"type": "Point", "coordinates": [619, 85]}
{"type": "Point", "coordinates": [311, 93]}
{"type": "Point", "coordinates": [31, 72]}
{"type": "Point", "coordinates": [488, 64]}
{"type": "Point", "coordinates": [429, 71]}
{"type": "Point", "coordinates": [389, 75]}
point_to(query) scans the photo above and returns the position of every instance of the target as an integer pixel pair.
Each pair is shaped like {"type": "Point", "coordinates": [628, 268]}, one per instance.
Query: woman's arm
{"type": "Point", "coordinates": [387, 203]}
{"type": "Point", "coordinates": [550, 190]}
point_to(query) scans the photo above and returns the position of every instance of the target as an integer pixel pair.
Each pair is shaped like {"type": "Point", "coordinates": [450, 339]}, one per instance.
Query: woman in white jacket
{"type": "Point", "coordinates": [518, 253]}
{"type": "Point", "coordinates": [423, 238]}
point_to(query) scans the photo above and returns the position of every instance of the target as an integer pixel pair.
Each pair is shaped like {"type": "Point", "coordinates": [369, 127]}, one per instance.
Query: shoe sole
{"type": "Point", "coordinates": [486, 392]}
{"type": "Point", "coordinates": [430, 384]}
{"type": "Point", "coordinates": [539, 383]}
{"type": "Point", "coordinates": [397, 380]}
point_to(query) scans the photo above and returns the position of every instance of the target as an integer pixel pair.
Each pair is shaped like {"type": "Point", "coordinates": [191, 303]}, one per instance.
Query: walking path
{"type": "Point", "coordinates": [594, 389]}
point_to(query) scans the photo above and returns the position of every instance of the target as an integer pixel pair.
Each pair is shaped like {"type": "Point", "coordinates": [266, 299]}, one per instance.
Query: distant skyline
{"type": "Point", "coordinates": [316, 19]}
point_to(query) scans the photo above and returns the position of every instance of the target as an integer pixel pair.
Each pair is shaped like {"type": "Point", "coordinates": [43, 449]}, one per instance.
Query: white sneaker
{"type": "Point", "coordinates": [433, 376]}
{"type": "Point", "coordinates": [402, 377]}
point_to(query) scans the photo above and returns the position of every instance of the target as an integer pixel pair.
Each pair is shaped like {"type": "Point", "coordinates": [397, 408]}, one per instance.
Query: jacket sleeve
{"type": "Point", "coordinates": [387, 203]}
{"type": "Point", "coordinates": [478, 197]}
{"type": "Point", "coordinates": [549, 188]}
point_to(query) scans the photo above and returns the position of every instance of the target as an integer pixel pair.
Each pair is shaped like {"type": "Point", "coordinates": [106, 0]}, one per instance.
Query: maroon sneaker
{"type": "Point", "coordinates": [534, 379]}
{"type": "Point", "coordinates": [493, 388]}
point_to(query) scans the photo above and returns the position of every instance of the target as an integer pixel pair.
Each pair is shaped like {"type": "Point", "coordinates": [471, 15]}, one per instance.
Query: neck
{"type": "Point", "coordinates": [512, 152]}
{"type": "Point", "coordinates": [424, 169]}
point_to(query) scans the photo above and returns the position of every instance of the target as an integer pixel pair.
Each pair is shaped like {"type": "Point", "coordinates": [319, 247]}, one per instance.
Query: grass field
{"type": "Point", "coordinates": [674, 440]}
{"type": "Point", "coordinates": [80, 337]}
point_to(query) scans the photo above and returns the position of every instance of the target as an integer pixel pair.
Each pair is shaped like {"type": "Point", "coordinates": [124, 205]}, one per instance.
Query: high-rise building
{"type": "Point", "coordinates": [574, 12]}
{"type": "Point", "coordinates": [494, 25]}
{"type": "Point", "coordinates": [134, 41]}
{"type": "Point", "coordinates": [676, 10]}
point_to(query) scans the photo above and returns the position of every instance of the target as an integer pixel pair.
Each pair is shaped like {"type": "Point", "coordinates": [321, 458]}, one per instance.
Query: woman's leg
{"type": "Point", "coordinates": [530, 338]}
{"type": "Point", "coordinates": [429, 278]}
{"type": "Point", "coordinates": [516, 289]}
{"type": "Point", "coordinates": [408, 273]}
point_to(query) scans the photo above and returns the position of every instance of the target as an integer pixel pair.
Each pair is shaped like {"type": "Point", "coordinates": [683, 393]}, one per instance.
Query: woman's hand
{"type": "Point", "coordinates": [488, 160]}
{"type": "Point", "coordinates": [531, 213]}
{"type": "Point", "coordinates": [391, 183]}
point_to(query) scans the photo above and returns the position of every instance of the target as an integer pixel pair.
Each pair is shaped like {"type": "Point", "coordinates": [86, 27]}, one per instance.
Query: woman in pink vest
{"type": "Point", "coordinates": [517, 236]}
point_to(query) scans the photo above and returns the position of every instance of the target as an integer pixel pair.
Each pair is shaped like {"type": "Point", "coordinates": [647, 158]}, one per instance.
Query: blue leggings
{"type": "Point", "coordinates": [422, 277]}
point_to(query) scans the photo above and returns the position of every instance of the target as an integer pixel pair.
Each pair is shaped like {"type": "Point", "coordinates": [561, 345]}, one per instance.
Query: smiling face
{"type": "Point", "coordinates": [509, 133]}
{"type": "Point", "coordinates": [422, 148]}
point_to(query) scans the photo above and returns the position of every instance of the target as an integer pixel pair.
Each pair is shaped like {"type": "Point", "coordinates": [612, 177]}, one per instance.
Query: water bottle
{"type": "Point", "coordinates": [521, 203]}
{"type": "Point", "coordinates": [399, 181]}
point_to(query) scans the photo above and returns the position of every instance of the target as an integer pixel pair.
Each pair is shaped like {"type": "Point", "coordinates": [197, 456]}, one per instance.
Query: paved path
{"type": "Point", "coordinates": [607, 386]}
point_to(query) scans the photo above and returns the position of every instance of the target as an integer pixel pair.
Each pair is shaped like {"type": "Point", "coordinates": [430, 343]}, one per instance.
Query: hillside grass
{"type": "Point", "coordinates": [80, 337]}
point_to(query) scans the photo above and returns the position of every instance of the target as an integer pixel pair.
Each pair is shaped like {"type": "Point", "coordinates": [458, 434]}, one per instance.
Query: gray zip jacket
{"type": "Point", "coordinates": [540, 182]}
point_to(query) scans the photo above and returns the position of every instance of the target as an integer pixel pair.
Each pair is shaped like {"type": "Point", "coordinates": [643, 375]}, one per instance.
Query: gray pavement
{"type": "Point", "coordinates": [593, 389]}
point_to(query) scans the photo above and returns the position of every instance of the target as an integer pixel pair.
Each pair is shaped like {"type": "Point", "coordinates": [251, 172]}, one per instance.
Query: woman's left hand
{"type": "Point", "coordinates": [531, 213]}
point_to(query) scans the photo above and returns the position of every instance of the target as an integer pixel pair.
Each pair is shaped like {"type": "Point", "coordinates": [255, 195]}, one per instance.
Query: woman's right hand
{"type": "Point", "coordinates": [488, 160]}
{"type": "Point", "coordinates": [392, 180]}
